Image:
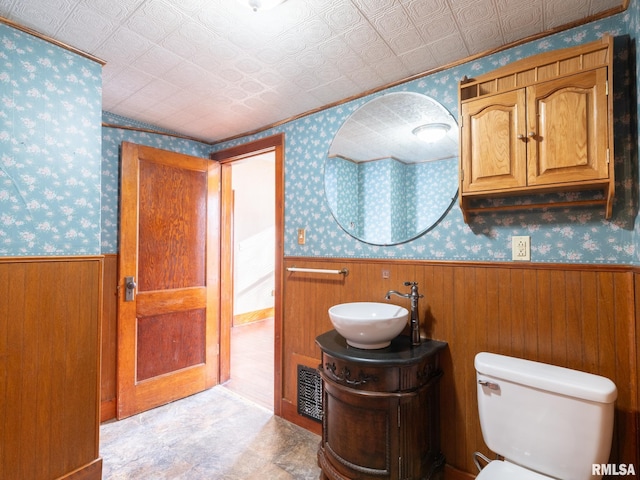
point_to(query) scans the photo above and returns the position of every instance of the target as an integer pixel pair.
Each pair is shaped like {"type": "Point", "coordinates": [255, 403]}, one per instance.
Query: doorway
{"type": "Point", "coordinates": [253, 275]}
{"type": "Point", "coordinates": [251, 270]}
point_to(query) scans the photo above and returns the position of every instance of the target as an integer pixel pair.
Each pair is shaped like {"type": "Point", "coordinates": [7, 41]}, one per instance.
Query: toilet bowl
{"type": "Point", "coordinates": [503, 470]}
{"type": "Point", "coordinates": [546, 422]}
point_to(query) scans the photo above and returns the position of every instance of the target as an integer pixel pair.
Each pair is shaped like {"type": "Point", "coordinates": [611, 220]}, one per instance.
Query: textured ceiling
{"type": "Point", "coordinates": [214, 69]}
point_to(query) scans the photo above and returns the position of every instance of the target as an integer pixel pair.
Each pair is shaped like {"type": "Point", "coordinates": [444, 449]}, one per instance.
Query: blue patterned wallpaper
{"type": "Point", "coordinates": [49, 148]}
{"type": "Point", "coordinates": [577, 235]}
{"type": "Point", "coordinates": [431, 186]}
{"type": "Point", "coordinates": [632, 19]}
{"type": "Point", "coordinates": [343, 195]}
{"type": "Point", "coordinates": [386, 201]}
{"type": "Point", "coordinates": [58, 198]}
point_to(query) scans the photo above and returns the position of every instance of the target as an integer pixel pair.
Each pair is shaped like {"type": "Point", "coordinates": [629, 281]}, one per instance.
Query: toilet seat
{"type": "Point", "coordinates": [503, 470]}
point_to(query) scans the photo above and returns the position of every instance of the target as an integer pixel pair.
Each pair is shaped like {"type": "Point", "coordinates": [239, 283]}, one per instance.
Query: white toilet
{"type": "Point", "coordinates": [546, 422]}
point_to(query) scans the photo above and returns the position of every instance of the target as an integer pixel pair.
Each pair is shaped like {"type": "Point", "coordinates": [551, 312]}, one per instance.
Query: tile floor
{"type": "Point", "coordinates": [216, 434]}
{"type": "Point", "coordinates": [228, 432]}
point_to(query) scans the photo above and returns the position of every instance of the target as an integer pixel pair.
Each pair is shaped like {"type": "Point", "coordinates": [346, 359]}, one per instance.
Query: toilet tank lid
{"type": "Point", "coordinates": [543, 376]}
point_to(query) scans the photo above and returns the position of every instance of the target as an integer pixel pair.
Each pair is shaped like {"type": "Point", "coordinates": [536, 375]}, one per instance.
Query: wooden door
{"type": "Point", "coordinates": [493, 147]}
{"type": "Point", "coordinates": [569, 118]}
{"type": "Point", "coordinates": [169, 245]}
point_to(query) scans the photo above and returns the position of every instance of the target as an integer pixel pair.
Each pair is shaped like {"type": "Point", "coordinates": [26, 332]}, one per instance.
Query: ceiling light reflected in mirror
{"type": "Point", "coordinates": [383, 184]}
{"type": "Point", "coordinates": [383, 129]}
{"type": "Point", "coordinates": [431, 132]}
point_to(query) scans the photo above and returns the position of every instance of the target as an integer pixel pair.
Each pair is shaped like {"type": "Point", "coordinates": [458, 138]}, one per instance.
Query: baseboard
{"type": "Point", "coordinates": [90, 471]}
{"type": "Point", "coordinates": [451, 473]}
{"type": "Point", "coordinates": [255, 316]}
{"type": "Point", "coordinates": [290, 413]}
{"type": "Point", "coordinates": [107, 410]}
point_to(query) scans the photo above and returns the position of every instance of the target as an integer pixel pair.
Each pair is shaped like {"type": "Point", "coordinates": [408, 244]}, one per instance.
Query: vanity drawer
{"type": "Point", "coordinates": [360, 376]}
{"type": "Point", "coordinates": [416, 375]}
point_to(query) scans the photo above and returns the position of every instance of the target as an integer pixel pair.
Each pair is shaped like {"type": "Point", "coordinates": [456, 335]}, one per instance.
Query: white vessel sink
{"type": "Point", "coordinates": [368, 325]}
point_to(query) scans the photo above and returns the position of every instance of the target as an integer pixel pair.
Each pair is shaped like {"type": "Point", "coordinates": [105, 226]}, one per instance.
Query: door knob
{"type": "Point", "coordinates": [130, 289]}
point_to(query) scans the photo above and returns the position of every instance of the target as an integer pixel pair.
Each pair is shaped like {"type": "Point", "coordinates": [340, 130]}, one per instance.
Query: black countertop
{"type": "Point", "coordinates": [400, 352]}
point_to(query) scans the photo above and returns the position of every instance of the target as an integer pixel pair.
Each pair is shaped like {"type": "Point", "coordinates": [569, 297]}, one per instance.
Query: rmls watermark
{"type": "Point", "coordinates": [613, 469]}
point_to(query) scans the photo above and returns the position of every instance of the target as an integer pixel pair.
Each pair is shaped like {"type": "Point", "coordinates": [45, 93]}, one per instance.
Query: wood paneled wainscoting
{"type": "Point", "coordinates": [108, 383]}
{"type": "Point", "coordinates": [50, 311]}
{"type": "Point", "coordinates": [585, 317]}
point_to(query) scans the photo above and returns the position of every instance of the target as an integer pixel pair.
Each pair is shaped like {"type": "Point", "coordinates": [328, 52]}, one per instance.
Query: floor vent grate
{"type": "Point", "coordinates": [309, 393]}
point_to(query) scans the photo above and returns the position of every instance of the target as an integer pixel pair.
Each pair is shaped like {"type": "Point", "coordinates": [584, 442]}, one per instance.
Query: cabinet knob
{"type": "Point", "coordinates": [521, 136]}
{"type": "Point", "coordinates": [532, 134]}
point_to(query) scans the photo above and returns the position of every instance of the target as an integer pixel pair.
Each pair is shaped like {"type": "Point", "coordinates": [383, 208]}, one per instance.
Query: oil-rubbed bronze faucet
{"type": "Point", "coordinates": [415, 316]}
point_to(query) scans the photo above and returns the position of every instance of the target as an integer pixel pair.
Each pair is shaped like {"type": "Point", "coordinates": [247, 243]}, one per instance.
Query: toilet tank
{"type": "Point", "coordinates": [549, 419]}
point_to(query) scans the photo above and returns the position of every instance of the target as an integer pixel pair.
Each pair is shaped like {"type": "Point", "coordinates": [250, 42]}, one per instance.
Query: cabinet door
{"type": "Point", "coordinates": [360, 432]}
{"type": "Point", "coordinates": [493, 150]}
{"type": "Point", "coordinates": [569, 119]}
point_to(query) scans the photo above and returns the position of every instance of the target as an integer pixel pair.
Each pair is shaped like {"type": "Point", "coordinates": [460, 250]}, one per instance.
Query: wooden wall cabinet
{"type": "Point", "coordinates": [381, 415]}
{"type": "Point", "coordinates": [540, 125]}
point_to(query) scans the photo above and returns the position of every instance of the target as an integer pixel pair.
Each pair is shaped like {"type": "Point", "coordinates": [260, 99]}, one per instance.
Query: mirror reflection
{"type": "Point", "coordinates": [392, 169]}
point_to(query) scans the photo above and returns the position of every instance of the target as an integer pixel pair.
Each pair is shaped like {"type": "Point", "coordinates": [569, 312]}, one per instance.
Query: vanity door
{"type": "Point", "coordinates": [360, 434]}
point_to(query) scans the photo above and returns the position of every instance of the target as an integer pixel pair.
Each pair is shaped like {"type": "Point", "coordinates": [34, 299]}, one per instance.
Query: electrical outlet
{"type": "Point", "coordinates": [386, 274]}
{"type": "Point", "coordinates": [521, 248]}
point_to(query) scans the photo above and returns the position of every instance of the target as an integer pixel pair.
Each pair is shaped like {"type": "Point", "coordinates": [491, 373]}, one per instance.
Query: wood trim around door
{"type": "Point", "coordinates": [273, 143]}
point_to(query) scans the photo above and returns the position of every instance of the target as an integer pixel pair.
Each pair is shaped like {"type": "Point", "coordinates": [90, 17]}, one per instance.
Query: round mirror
{"type": "Point", "coordinates": [392, 169]}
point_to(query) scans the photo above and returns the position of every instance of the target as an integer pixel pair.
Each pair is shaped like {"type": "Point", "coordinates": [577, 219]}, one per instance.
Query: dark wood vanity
{"type": "Point", "coordinates": [381, 418]}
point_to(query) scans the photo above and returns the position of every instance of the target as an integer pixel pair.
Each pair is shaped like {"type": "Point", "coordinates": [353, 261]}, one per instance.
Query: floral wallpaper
{"type": "Point", "coordinates": [563, 235]}
{"type": "Point", "coordinates": [59, 167]}
{"type": "Point", "coordinates": [342, 193]}
{"type": "Point", "coordinates": [386, 201]}
{"type": "Point", "coordinates": [49, 148]}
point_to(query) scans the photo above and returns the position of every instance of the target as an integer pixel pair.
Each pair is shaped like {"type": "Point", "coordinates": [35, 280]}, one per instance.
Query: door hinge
{"type": "Point", "coordinates": [606, 88]}
{"type": "Point", "coordinates": [608, 159]}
